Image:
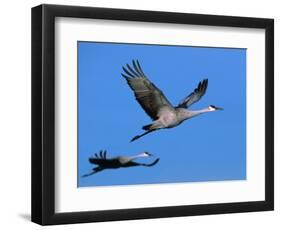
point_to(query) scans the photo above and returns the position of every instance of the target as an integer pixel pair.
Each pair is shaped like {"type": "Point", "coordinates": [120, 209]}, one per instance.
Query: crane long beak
{"type": "Point", "coordinates": [219, 108]}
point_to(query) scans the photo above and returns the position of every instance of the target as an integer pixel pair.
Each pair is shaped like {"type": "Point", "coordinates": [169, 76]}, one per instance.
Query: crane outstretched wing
{"type": "Point", "coordinates": [147, 94]}
{"type": "Point", "coordinates": [195, 95]}
{"type": "Point", "coordinates": [99, 158]}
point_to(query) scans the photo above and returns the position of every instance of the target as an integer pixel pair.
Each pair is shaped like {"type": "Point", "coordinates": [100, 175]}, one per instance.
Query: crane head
{"type": "Point", "coordinates": [214, 108]}
{"type": "Point", "coordinates": [145, 154]}
{"type": "Point", "coordinates": [148, 154]}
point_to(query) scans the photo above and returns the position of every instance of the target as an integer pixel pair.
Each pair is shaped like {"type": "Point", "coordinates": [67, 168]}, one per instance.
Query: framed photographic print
{"type": "Point", "coordinates": [142, 114]}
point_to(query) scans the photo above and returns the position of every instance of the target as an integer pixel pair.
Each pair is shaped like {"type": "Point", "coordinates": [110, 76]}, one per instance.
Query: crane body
{"type": "Point", "coordinates": [103, 162]}
{"type": "Point", "coordinates": [163, 114]}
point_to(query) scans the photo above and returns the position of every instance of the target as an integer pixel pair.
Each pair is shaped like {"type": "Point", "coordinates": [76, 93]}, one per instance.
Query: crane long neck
{"type": "Point", "coordinates": [136, 156]}
{"type": "Point", "coordinates": [193, 113]}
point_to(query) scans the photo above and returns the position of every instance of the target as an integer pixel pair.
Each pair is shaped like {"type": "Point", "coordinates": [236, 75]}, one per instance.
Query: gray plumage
{"type": "Point", "coordinates": [156, 105]}
{"type": "Point", "coordinates": [104, 162]}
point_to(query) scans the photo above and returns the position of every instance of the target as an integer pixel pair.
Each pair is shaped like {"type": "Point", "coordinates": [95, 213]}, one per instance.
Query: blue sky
{"type": "Point", "coordinates": [210, 147]}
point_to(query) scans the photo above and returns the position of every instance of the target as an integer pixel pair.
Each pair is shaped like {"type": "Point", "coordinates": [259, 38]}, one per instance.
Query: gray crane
{"type": "Point", "coordinates": [157, 106]}
{"type": "Point", "coordinates": [103, 162]}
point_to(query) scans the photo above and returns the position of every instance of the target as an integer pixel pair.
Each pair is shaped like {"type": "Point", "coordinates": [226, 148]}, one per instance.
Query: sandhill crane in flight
{"type": "Point", "coordinates": [103, 162]}
{"type": "Point", "coordinates": [157, 106]}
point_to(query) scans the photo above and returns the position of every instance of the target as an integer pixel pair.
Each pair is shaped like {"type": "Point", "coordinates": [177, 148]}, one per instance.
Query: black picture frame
{"type": "Point", "coordinates": [43, 114]}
